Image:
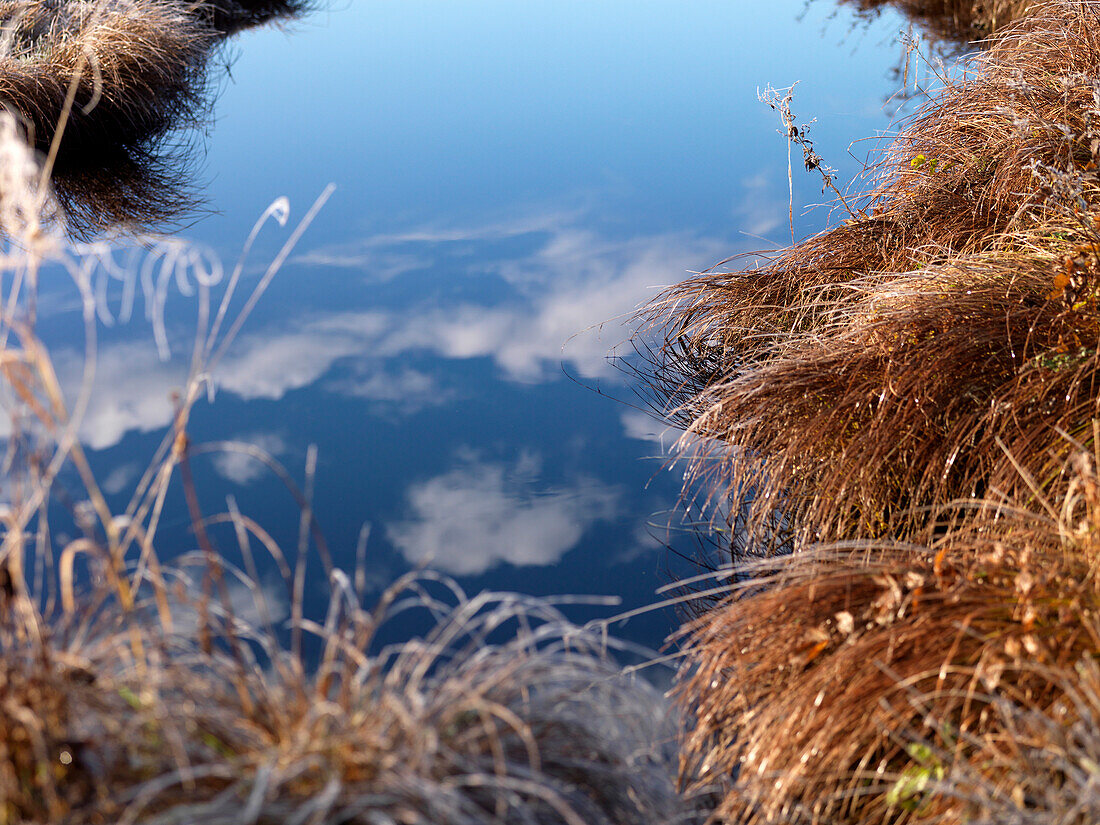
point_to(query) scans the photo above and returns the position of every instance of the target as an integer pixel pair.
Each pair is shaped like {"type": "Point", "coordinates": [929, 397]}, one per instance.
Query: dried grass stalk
{"type": "Point", "coordinates": [885, 683]}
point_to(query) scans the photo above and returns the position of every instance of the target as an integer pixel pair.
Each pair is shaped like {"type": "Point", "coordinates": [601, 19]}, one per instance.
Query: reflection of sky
{"type": "Point", "coordinates": [419, 107]}
{"type": "Point", "coordinates": [481, 514]}
{"type": "Point", "coordinates": [512, 179]}
{"type": "Point", "coordinates": [557, 298]}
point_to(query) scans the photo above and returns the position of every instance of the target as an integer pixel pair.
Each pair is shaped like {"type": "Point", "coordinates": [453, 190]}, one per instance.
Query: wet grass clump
{"type": "Point", "coordinates": [109, 716]}
{"type": "Point", "coordinates": [107, 73]}
{"type": "Point", "coordinates": [110, 72]}
{"type": "Point", "coordinates": [940, 338]}
{"type": "Point", "coordinates": [902, 415]}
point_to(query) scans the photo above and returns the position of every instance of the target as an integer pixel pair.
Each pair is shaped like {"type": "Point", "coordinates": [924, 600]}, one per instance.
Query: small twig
{"type": "Point", "coordinates": [780, 101]}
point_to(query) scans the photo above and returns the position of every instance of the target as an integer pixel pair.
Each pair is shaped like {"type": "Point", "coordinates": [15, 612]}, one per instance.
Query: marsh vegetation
{"type": "Point", "coordinates": [105, 91]}
{"type": "Point", "coordinates": [911, 398]}
{"type": "Point", "coordinates": [893, 425]}
{"type": "Point", "coordinates": [952, 21]}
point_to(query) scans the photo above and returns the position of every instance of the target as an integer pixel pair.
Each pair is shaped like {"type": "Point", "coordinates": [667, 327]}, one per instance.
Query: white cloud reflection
{"type": "Point", "coordinates": [640, 425]}
{"type": "Point", "coordinates": [408, 390]}
{"type": "Point", "coordinates": [386, 255]}
{"type": "Point", "coordinates": [268, 365]}
{"type": "Point", "coordinates": [241, 468]}
{"type": "Point", "coordinates": [119, 478]}
{"type": "Point", "coordinates": [568, 302]}
{"type": "Point", "coordinates": [251, 605]}
{"type": "Point", "coordinates": [566, 292]}
{"type": "Point", "coordinates": [481, 514]}
{"type": "Point", "coordinates": [132, 390]}
{"type": "Point", "coordinates": [763, 208]}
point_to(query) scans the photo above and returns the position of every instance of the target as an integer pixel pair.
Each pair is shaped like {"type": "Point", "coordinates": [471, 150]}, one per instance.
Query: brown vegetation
{"type": "Point", "coordinates": [909, 404]}
{"type": "Point", "coordinates": [953, 20]}
{"type": "Point", "coordinates": [885, 683]}
{"type": "Point", "coordinates": [113, 71]}
{"type": "Point", "coordinates": [110, 716]}
{"type": "Point", "coordinates": [99, 85]}
{"type": "Point", "coordinates": [944, 334]}
{"type": "Point", "coordinates": [107, 73]}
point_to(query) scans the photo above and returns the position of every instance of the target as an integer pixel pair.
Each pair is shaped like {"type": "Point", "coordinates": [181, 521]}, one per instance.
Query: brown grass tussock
{"type": "Point", "coordinates": [883, 683]}
{"type": "Point", "coordinates": [875, 372]}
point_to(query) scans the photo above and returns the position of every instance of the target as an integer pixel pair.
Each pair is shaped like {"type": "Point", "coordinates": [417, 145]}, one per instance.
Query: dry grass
{"type": "Point", "coordinates": [884, 683]}
{"type": "Point", "coordinates": [909, 402]}
{"type": "Point", "coordinates": [885, 366]}
{"type": "Point", "coordinates": [223, 723]}
{"type": "Point", "coordinates": [109, 73]}
{"type": "Point", "coordinates": [100, 85]}
{"type": "Point", "coordinates": [1047, 762]}
{"type": "Point", "coordinates": [953, 20]}
{"type": "Point", "coordinates": [113, 72]}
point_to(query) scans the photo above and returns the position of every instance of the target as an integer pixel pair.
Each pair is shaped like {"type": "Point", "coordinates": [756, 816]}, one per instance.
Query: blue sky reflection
{"type": "Point", "coordinates": [513, 180]}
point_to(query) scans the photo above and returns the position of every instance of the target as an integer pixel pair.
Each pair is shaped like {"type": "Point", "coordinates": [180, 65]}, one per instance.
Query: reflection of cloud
{"type": "Point", "coordinates": [673, 441]}
{"type": "Point", "coordinates": [386, 255]}
{"type": "Point", "coordinates": [640, 425]}
{"type": "Point", "coordinates": [568, 294]}
{"type": "Point", "coordinates": [381, 264]}
{"type": "Point", "coordinates": [247, 602]}
{"type": "Point", "coordinates": [761, 209]}
{"type": "Point", "coordinates": [573, 292]}
{"type": "Point", "coordinates": [119, 478]}
{"type": "Point", "coordinates": [268, 365]}
{"type": "Point", "coordinates": [241, 468]}
{"type": "Point", "coordinates": [648, 539]}
{"type": "Point", "coordinates": [482, 514]}
{"type": "Point", "coordinates": [560, 297]}
{"type": "Point", "coordinates": [132, 390]}
{"type": "Point", "coordinates": [407, 389]}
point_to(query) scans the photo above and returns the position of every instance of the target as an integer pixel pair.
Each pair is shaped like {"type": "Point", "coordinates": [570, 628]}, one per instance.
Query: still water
{"type": "Point", "coordinates": [511, 180]}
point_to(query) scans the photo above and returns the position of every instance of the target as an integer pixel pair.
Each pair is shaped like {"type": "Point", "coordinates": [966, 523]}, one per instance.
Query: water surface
{"type": "Point", "coordinates": [512, 179]}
